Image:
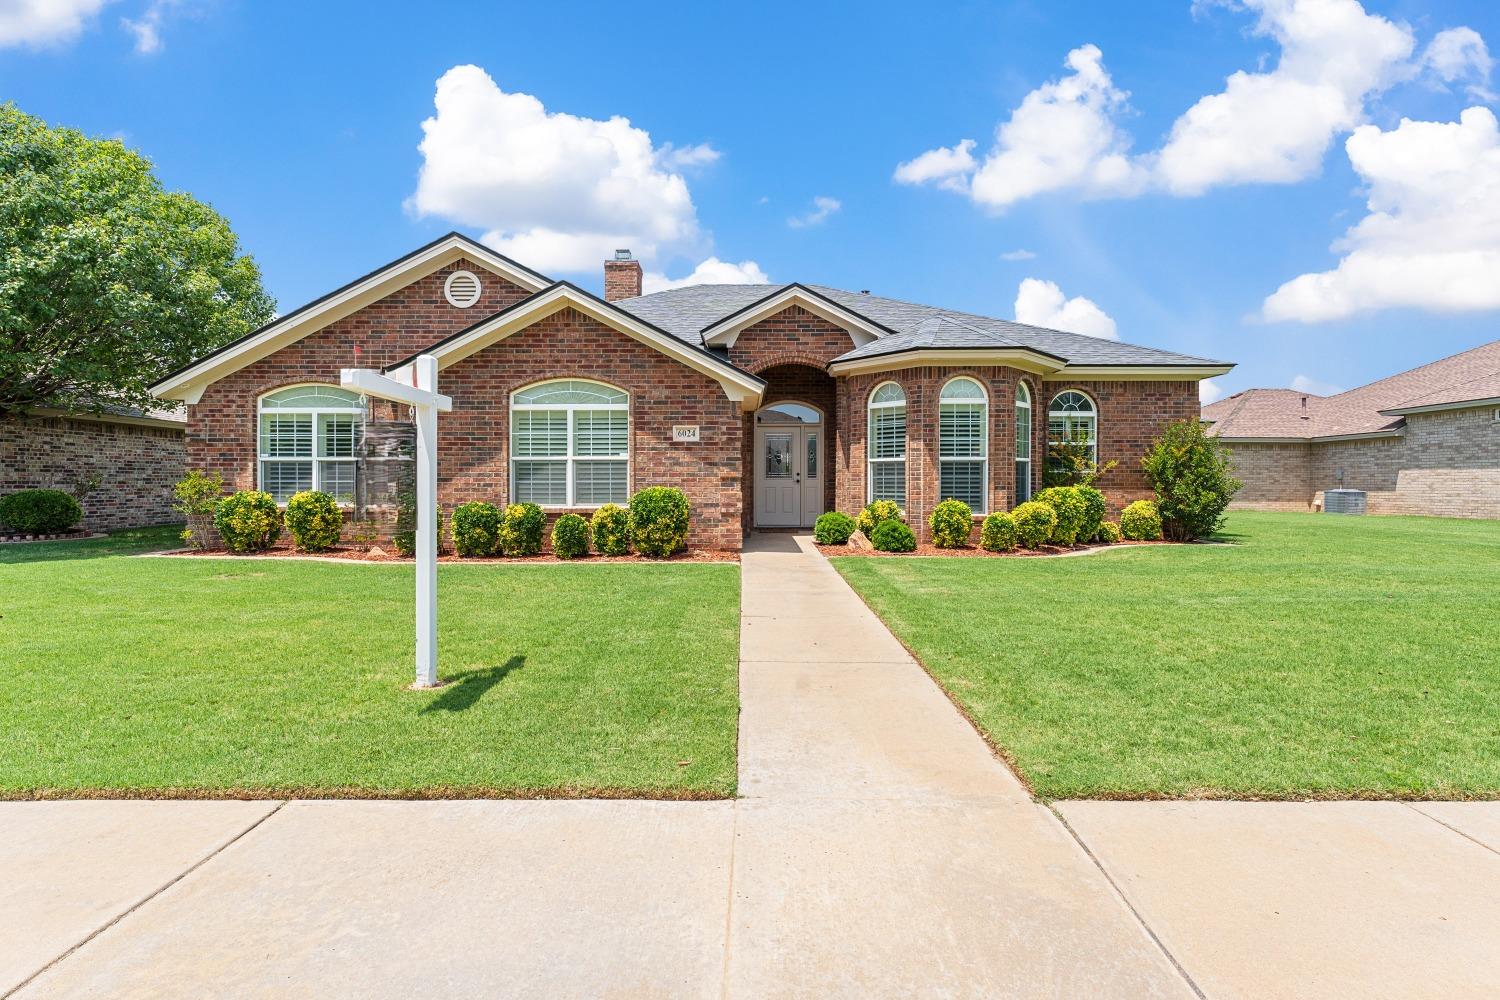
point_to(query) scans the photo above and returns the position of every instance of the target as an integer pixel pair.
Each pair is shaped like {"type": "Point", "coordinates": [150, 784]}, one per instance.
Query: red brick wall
{"type": "Point", "coordinates": [137, 466]}
{"type": "Point", "coordinates": [622, 279]}
{"type": "Point", "coordinates": [792, 335]}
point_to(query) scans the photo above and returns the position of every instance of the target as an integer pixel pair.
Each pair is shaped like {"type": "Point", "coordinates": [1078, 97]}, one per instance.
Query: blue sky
{"type": "Point", "coordinates": [1134, 172]}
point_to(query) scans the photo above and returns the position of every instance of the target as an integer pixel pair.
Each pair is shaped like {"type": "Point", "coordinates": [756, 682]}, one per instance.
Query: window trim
{"type": "Point", "coordinates": [870, 460]}
{"type": "Point", "coordinates": [984, 443]}
{"type": "Point", "coordinates": [359, 409]}
{"type": "Point", "coordinates": [571, 459]}
{"type": "Point", "coordinates": [1024, 397]}
{"type": "Point", "coordinates": [1094, 409]}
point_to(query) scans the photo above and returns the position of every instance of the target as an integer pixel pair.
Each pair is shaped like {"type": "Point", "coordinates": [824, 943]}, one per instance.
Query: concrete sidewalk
{"type": "Point", "coordinates": [879, 849]}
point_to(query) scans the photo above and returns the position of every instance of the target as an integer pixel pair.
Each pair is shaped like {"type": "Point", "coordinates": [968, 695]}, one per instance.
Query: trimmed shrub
{"type": "Point", "coordinates": [1190, 472]}
{"type": "Point", "coordinates": [833, 528]}
{"type": "Point", "coordinates": [198, 495]}
{"type": "Point", "coordinates": [1070, 509]}
{"type": "Point", "coordinates": [476, 529]}
{"type": "Point", "coordinates": [314, 521]}
{"type": "Point", "coordinates": [248, 521]}
{"type": "Point", "coordinates": [1109, 534]}
{"type": "Point", "coordinates": [951, 522]}
{"type": "Point", "coordinates": [1140, 522]}
{"type": "Point", "coordinates": [659, 520]}
{"type": "Point", "coordinates": [1095, 508]}
{"type": "Point", "coordinates": [998, 533]}
{"type": "Point", "coordinates": [40, 512]}
{"type": "Point", "coordinates": [880, 510]}
{"type": "Point", "coordinates": [893, 536]}
{"type": "Point", "coordinates": [570, 537]}
{"type": "Point", "coordinates": [404, 535]}
{"type": "Point", "coordinates": [611, 529]}
{"type": "Point", "coordinates": [1034, 523]}
{"type": "Point", "coordinates": [521, 529]}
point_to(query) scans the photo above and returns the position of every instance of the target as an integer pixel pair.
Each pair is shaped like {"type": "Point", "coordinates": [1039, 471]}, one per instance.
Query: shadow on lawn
{"type": "Point", "coordinates": [469, 686]}
{"type": "Point", "coordinates": [119, 543]}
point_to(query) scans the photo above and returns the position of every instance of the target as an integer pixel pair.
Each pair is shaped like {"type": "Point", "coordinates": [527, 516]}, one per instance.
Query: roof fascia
{"type": "Point", "coordinates": [931, 357]}
{"type": "Point", "coordinates": [1462, 404]}
{"type": "Point", "coordinates": [1144, 373]}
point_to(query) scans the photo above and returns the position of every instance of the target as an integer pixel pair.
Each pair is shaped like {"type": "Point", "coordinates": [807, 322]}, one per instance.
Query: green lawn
{"type": "Point", "coordinates": [218, 676]}
{"type": "Point", "coordinates": [1317, 655]}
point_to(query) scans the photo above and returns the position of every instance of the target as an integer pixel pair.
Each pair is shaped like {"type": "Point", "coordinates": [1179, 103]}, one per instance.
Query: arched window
{"type": "Point", "coordinates": [570, 444]}
{"type": "Point", "coordinates": [1072, 430]}
{"type": "Point", "coordinates": [887, 446]}
{"type": "Point", "coordinates": [1023, 443]}
{"type": "Point", "coordinates": [963, 452]}
{"type": "Point", "coordinates": [309, 440]}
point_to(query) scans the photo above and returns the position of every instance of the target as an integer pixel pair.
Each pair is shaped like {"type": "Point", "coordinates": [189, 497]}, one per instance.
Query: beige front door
{"type": "Point", "coordinates": [788, 466]}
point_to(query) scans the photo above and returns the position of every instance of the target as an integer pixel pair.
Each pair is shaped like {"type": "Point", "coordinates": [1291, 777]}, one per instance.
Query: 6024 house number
{"type": "Point", "coordinates": [685, 432]}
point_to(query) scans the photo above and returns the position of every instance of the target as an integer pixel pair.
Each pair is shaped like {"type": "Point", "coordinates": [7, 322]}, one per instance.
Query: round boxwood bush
{"type": "Point", "coordinates": [476, 529]}
{"type": "Point", "coordinates": [893, 536]}
{"type": "Point", "coordinates": [998, 533]}
{"type": "Point", "coordinates": [248, 521]}
{"type": "Point", "coordinates": [521, 529]}
{"type": "Point", "coordinates": [833, 528]}
{"type": "Point", "coordinates": [570, 537]}
{"type": "Point", "coordinates": [1108, 533]}
{"type": "Point", "coordinates": [659, 520]}
{"type": "Point", "coordinates": [1095, 507]}
{"type": "Point", "coordinates": [611, 528]}
{"type": "Point", "coordinates": [1070, 510]}
{"type": "Point", "coordinates": [314, 520]}
{"type": "Point", "coordinates": [880, 510]}
{"type": "Point", "coordinates": [1034, 523]}
{"type": "Point", "coordinates": [40, 512]}
{"type": "Point", "coordinates": [951, 522]}
{"type": "Point", "coordinates": [1140, 522]}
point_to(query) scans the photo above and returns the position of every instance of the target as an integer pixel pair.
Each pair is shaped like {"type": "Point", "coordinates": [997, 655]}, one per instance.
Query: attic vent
{"type": "Point", "coordinates": [461, 289]}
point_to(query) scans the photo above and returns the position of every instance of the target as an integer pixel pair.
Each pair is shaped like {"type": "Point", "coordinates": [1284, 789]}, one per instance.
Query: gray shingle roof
{"type": "Point", "coordinates": [685, 312]}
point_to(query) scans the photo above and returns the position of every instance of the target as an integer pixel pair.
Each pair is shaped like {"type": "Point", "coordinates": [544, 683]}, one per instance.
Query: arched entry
{"type": "Point", "coordinates": [789, 466]}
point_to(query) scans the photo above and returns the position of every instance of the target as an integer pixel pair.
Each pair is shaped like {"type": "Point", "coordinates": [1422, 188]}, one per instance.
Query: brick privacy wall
{"type": "Point", "coordinates": [1131, 414]}
{"type": "Point", "coordinates": [139, 466]}
{"type": "Point", "coordinates": [474, 439]}
{"type": "Point", "coordinates": [1276, 476]}
{"type": "Point", "coordinates": [222, 426]}
{"type": "Point", "coordinates": [622, 279]}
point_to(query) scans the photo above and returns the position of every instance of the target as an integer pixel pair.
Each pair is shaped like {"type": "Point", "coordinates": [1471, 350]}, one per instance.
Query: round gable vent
{"type": "Point", "coordinates": [461, 289]}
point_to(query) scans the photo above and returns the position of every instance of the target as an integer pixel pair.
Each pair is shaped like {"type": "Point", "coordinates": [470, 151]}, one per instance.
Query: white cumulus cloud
{"type": "Point", "coordinates": [40, 23]}
{"type": "Point", "coordinates": [1209, 391]}
{"type": "Point", "coordinates": [1314, 387]}
{"type": "Point", "coordinates": [1459, 54]}
{"type": "Point", "coordinates": [1431, 239]}
{"type": "Point", "coordinates": [823, 207]}
{"type": "Point", "coordinates": [1042, 303]}
{"type": "Point", "coordinates": [712, 271]}
{"type": "Point", "coordinates": [949, 166]}
{"type": "Point", "coordinates": [556, 191]}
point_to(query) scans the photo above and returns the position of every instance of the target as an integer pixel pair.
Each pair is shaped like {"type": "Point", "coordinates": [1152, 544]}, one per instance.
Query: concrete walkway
{"type": "Point", "coordinates": [878, 850]}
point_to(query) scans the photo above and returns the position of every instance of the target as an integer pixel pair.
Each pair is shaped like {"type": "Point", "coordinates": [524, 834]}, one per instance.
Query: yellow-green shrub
{"type": "Point", "coordinates": [314, 520]}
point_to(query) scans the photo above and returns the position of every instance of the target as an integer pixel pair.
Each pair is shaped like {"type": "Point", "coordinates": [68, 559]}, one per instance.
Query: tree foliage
{"type": "Point", "coordinates": [107, 280]}
{"type": "Point", "coordinates": [1193, 479]}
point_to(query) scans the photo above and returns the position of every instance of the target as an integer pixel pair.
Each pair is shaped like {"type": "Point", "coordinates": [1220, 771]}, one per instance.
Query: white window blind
{"type": "Point", "coordinates": [570, 444]}
{"type": "Point", "coordinates": [887, 444]}
{"type": "Point", "coordinates": [963, 415]}
{"type": "Point", "coordinates": [309, 440]}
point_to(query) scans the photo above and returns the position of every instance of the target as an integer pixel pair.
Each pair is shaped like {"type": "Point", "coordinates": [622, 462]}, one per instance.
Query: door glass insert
{"type": "Point", "coordinates": [778, 456]}
{"type": "Point", "coordinates": [812, 455]}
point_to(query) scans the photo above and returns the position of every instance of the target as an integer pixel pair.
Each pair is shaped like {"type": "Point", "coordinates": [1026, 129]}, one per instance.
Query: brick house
{"type": "Point", "coordinates": [1426, 441]}
{"type": "Point", "coordinates": [766, 404]}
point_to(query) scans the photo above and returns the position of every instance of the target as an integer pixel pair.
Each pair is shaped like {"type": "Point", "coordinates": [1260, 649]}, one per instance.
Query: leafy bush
{"type": "Point", "coordinates": [1034, 523]}
{"type": "Point", "coordinates": [998, 533]}
{"type": "Point", "coordinates": [1071, 464]}
{"type": "Point", "coordinates": [314, 520]}
{"type": "Point", "coordinates": [248, 521]}
{"type": "Point", "coordinates": [1108, 534]}
{"type": "Point", "coordinates": [659, 520]}
{"type": "Point", "coordinates": [1191, 474]}
{"type": "Point", "coordinates": [40, 512]}
{"type": "Point", "coordinates": [404, 535]}
{"type": "Point", "coordinates": [521, 529]}
{"type": "Point", "coordinates": [880, 510]}
{"type": "Point", "coordinates": [476, 529]}
{"type": "Point", "coordinates": [198, 494]}
{"type": "Point", "coordinates": [570, 537]}
{"type": "Point", "coordinates": [1095, 507]}
{"type": "Point", "coordinates": [893, 536]}
{"type": "Point", "coordinates": [1140, 522]}
{"type": "Point", "coordinates": [833, 528]}
{"type": "Point", "coordinates": [951, 522]}
{"type": "Point", "coordinates": [611, 529]}
{"type": "Point", "coordinates": [1070, 509]}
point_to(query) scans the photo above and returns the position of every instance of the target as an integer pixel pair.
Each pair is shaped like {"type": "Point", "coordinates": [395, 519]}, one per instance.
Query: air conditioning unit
{"type": "Point", "coordinates": [1344, 501]}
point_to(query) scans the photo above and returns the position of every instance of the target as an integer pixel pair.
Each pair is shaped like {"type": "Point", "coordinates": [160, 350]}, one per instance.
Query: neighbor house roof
{"type": "Point", "coordinates": [1377, 409]}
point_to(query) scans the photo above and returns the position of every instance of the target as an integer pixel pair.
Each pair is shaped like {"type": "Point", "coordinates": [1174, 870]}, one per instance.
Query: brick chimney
{"type": "Point", "coordinates": [622, 277]}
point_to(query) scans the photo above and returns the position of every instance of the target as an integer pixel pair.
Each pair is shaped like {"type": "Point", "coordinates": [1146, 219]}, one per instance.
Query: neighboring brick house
{"type": "Point", "coordinates": [1426, 441]}
{"type": "Point", "coordinates": [757, 400]}
{"type": "Point", "coordinates": [136, 457]}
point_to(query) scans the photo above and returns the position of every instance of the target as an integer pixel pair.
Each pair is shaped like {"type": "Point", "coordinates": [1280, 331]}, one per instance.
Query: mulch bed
{"type": "Point", "coordinates": [360, 554]}
{"type": "Point", "coordinates": [974, 550]}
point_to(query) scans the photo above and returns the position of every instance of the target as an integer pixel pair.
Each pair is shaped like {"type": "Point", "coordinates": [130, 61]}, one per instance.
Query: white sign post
{"type": "Point", "coordinates": [422, 396]}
